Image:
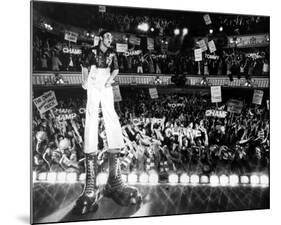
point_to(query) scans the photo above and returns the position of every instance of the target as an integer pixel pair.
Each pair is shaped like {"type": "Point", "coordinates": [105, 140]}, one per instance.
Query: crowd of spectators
{"type": "Point", "coordinates": [230, 63]}
{"type": "Point", "coordinates": [49, 56]}
{"type": "Point", "coordinates": [171, 133]}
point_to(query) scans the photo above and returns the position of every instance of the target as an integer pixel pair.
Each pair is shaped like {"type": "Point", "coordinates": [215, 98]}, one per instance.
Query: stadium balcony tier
{"type": "Point", "coordinates": [74, 79]}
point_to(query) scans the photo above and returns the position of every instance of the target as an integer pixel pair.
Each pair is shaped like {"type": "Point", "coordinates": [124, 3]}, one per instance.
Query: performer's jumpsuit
{"type": "Point", "coordinates": [98, 94]}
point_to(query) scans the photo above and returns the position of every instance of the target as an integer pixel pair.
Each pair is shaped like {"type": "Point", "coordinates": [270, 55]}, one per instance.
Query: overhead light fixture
{"type": "Point", "coordinates": [176, 31]}
{"type": "Point", "coordinates": [143, 27]}
{"type": "Point", "coordinates": [184, 31]}
{"type": "Point", "coordinates": [221, 29]}
{"type": "Point", "coordinates": [211, 31]}
{"type": "Point", "coordinates": [48, 26]}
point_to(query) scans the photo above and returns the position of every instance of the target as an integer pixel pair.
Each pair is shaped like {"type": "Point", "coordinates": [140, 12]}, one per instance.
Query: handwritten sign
{"type": "Point", "coordinates": [153, 93]}
{"type": "Point", "coordinates": [70, 36]}
{"type": "Point", "coordinates": [134, 40]}
{"type": "Point", "coordinates": [45, 102]}
{"type": "Point", "coordinates": [102, 8]}
{"type": "Point", "coordinates": [150, 44]}
{"type": "Point", "coordinates": [207, 19]}
{"type": "Point", "coordinates": [212, 46]}
{"type": "Point", "coordinates": [198, 54]}
{"type": "Point", "coordinates": [202, 45]}
{"type": "Point", "coordinates": [121, 47]}
{"type": "Point", "coordinates": [234, 106]}
{"type": "Point", "coordinates": [257, 97]}
{"type": "Point", "coordinates": [216, 94]}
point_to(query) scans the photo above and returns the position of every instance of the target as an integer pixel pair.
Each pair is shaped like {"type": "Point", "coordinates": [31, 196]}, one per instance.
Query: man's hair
{"type": "Point", "coordinates": [103, 32]}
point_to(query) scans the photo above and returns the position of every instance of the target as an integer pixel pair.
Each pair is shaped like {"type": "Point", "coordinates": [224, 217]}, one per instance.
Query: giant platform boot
{"type": "Point", "coordinates": [87, 201]}
{"type": "Point", "coordinates": [115, 188]}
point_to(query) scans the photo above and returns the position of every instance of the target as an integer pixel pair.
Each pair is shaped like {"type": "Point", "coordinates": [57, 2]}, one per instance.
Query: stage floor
{"type": "Point", "coordinates": [54, 202]}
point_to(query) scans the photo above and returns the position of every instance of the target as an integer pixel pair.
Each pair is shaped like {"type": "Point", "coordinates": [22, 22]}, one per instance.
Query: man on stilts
{"type": "Point", "coordinates": [103, 64]}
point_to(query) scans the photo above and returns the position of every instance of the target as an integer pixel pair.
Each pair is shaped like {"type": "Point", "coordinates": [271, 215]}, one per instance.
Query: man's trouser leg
{"type": "Point", "coordinates": [115, 188]}
{"type": "Point", "coordinates": [87, 201]}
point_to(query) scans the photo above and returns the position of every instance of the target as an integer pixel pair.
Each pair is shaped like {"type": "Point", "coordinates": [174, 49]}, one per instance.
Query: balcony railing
{"type": "Point", "coordinates": [74, 79]}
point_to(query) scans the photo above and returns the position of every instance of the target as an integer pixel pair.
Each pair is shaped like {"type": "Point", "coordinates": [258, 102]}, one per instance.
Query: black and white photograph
{"type": "Point", "coordinates": [143, 112]}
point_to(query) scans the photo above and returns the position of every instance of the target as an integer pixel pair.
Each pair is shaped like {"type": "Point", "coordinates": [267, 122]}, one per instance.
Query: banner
{"type": "Point", "coordinates": [150, 44]}
{"type": "Point", "coordinates": [45, 102]}
{"type": "Point", "coordinates": [198, 54]}
{"type": "Point", "coordinates": [74, 51]}
{"type": "Point", "coordinates": [153, 93]}
{"type": "Point", "coordinates": [134, 40]}
{"type": "Point", "coordinates": [216, 94]}
{"type": "Point", "coordinates": [202, 45]}
{"type": "Point", "coordinates": [70, 36]}
{"type": "Point", "coordinates": [257, 97]}
{"type": "Point", "coordinates": [207, 19]}
{"type": "Point", "coordinates": [216, 113]}
{"type": "Point", "coordinates": [254, 55]}
{"type": "Point", "coordinates": [121, 47]}
{"type": "Point", "coordinates": [248, 41]}
{"type": "Point", "coordinates": [212, 46]}
{"type": "Point", "coordinates": [116, 93]}
{"type": "Point", "coordinates": [102, 8]}
{"type": "Point", "coordinates": [234, 106]}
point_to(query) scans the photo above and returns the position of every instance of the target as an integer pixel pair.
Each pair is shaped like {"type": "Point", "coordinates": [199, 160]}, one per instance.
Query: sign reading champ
{"type": "Point", "coordinates": [74, 51]}
{"type": "Point", "coordinates": [216, 113]}
{"type": "Point", "coordinates": [64, 114]}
